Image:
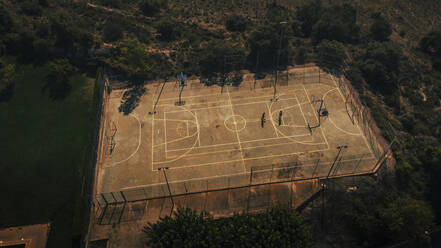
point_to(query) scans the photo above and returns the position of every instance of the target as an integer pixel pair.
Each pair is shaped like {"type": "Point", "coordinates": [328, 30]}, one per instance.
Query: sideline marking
{"type": "Point", "coordinates": [229, 175]}
{"type": "Point", "coordinates": [271, 118]}
{"type": "Point", "coordinates": [235, 124]}
{"type": "Point", "coordinates": [136, 150]}
{"type": "Point", "coordinates": [364, 136]}
{"type": "Point", "coordinates": [313, 111]}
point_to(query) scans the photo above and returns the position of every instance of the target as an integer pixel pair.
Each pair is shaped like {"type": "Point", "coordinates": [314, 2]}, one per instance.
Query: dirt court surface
{"type": "Point", "coordinates": [216, 140]}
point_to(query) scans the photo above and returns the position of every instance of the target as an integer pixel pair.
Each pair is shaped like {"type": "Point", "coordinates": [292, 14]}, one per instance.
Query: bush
{"type": "Point", "coordinates": [308, 15]}
{"type": "Point", "coordinates": [170, 30]}
{"type": "Point", "coordinates": [380, 65]}
{"type": "Point", "coordinates": [265, 41]}
{"type": "Point", "coordinates": [152, 7]}
{"type": "Point", "coordinates": [213, 57]}
{"type": "Point", "coordinates": [31, 8]}
{"type": "Point", "coordinates": [431, 44]}
{"type": "Point", "coordinates": [338, 23]}
{"type": "Point", "coordinates": [381, 29]}
{"type": "Point", "coordinates": [300, 55]}
{"type": "Point", "coordinates": [113, 31]}
{"type": "Point", "coordinates": [278, 227]}
{"type": "Point", "coordinates": [235, 23]}
{"type": "Point", "coordinates": [331, 55]}
{"type": "Point", "coordinates": [58, 79]}
{"type": "Point", "coordinates": [6, 22]}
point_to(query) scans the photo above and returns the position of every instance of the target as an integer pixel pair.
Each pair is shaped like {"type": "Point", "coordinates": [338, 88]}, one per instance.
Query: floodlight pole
{"type": "Point", "coordinates": [336, 157]}
{"type": "Point", "coordinates": [157, 99]}
{"type": "Point", "coordinates": [274, 99]}
{"type": "Point", "coordinates": [168, 185]}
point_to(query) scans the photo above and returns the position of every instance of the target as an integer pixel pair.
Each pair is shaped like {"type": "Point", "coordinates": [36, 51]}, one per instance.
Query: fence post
{"type": "Point", "coordinates": [272, 170]}
{"type": "Point", "coordinates": [315, 167]}
{"type": "Point", "coordinates": [249, 189]}
{"type": "Point", "coordinates": [123, 196]}
{"type": "Point", "coordinates": [114, 198]}
{"type": "Point", "coordinates": [104, 198]}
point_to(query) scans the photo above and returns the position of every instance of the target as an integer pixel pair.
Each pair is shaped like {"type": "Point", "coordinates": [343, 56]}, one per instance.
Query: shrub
{"type": "Point", "coordinates": [152, 7]}
{"type": "Point", "coordinates": [381, 29]}
{"type": "Point", "coordinates": [338, 23]}
{"type": "Point", "coordinates": [236, 23]}
{"type": "Point", "coordinates": [113, 31]}
{"type": "Point", "coordinates": [331, 55]}
{"type": "Point", "coordinates": [169, 30]}
{"type": "Point", "coordinates": [277, 227]}
{"type": "Point", "coordinates": [58, 79]}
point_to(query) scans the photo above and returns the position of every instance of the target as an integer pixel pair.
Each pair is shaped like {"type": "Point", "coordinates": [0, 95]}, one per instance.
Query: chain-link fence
{"type": "Point", "coordinates": [296, 170]}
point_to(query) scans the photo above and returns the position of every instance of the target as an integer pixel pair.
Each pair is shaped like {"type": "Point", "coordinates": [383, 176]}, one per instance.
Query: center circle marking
{"type": "Point", "coordinates": [235, 123]}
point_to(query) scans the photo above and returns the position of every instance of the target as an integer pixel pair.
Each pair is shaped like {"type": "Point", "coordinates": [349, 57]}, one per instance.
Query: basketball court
{"type": "Point", "coordinates": [216, 137]}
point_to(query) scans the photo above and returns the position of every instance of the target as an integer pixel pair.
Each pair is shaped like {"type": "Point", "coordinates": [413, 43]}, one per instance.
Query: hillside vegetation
{"type": "Point", "coordinates": [389, 49]}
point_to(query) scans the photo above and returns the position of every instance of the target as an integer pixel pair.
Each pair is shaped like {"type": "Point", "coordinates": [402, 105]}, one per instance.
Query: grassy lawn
{"type": "Point", "coordinates": [44, 147]}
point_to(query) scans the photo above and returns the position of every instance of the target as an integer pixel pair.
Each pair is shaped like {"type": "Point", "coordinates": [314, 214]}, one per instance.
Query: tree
{"type": "Point", "coordinates": [338, 23]}
{"type": "Point", "coordinates": [308, 15]}
{"type": "Point", "coordinates": [380, 65]}
{"type": "Point", "coordinates": [6, 86]}
{"type": "Point", "coordinates": [213, 56]}
{"type": "Point", "coordinates": [381, 29]}
{"type": "Point", "coordinates": [277, 227]}
{"type": "Point", "coordinates": [152, 7]}
{"type": "Point", "coordinates": [431, 44]}
{"type": "Point", "coordinates": [65, 30]}
{"type": "Point", "coordinates": [300, 56]}
{"type": "Point", "coordinates": [58, 79]}
{"type": "Point", "coordinates": [407, 219]}
{"type": "Point", "coordinates": [236, 23]}
{"type": "Point", "coordinates": [265, 41]}
{"type": "Point", "coordinates": [170, 30]}
{"type": "Point", "coordinates": [6, 22]}
{"type": "Point", "coordinates": [113, 31]}
{"type": "Point", "coordinates": [331, 55]}
{"type": "Point", "coordinates": [185, 228]}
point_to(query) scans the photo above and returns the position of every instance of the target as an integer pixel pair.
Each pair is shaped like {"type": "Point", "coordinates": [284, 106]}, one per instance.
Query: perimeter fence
{"type": "Point", "coordinates": [258, 175]}
{"type": "Point", "coordinates": [296, 170]}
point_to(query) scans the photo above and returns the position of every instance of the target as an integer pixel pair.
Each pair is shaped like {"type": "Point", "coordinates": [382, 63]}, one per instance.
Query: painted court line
{"type": "Point", "coordinates": [236, 174]}
{"type": "Point", "coordinates": [235, 124]}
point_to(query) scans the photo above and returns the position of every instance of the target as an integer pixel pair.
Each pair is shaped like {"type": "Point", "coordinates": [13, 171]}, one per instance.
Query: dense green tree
{"type": "Point", "coordinates": [338, 23]}
{"type": "Point", "coordinates": [220, 56]}
{"type": "Point", "coordinates": [300, 55]}
{"type": "Point", "coordinates": [185, 229]}
{"type": "Point", "coordinates": [380, 29]}
{"type": "Point", "coordinates": [65, 30]}
{"type": "Point", "coordinates": [168, 29]}
{"type": "Point", "coordinates": [113, 31]}
{"type": "Point", "coordinates": [380, 65]}
{"type": "Point", "coordinates": [6, 85]}
{"type": "Point", "coordinates": [152, 7]}
{"type": "Point", "coordinates": [58, 79]}
{"type": "Point", "coordinates": [381, 216]}
{"type": "Point", "coordinates": [308, 15]}
{"type": "Point", "coordinates": [265, 41]}
{"type": "Point", "coordinates": [331, 55]}
{"type": "Point", "coordinates": [112, 3]}
{"type": "Point", "coordinates": [406, 218]}
{"type": "Point", "coordinates": [277, 227]}
{"type": "Point", "coordinates": [236, 23]}
{"type": "Point", "coordinates": [431, 44]}
{"type": "Point", "coordinates": [6, 22]}
{"type": "Point", "coordinates": [31, 8]}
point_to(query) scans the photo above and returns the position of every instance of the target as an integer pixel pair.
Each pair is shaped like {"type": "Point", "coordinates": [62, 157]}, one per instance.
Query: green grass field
{"type": "Point", "coordinates": [43, 151]}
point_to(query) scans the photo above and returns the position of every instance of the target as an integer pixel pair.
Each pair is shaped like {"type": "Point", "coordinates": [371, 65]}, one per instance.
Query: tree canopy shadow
{"type": "Point", "coordinates": [130, 99]}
